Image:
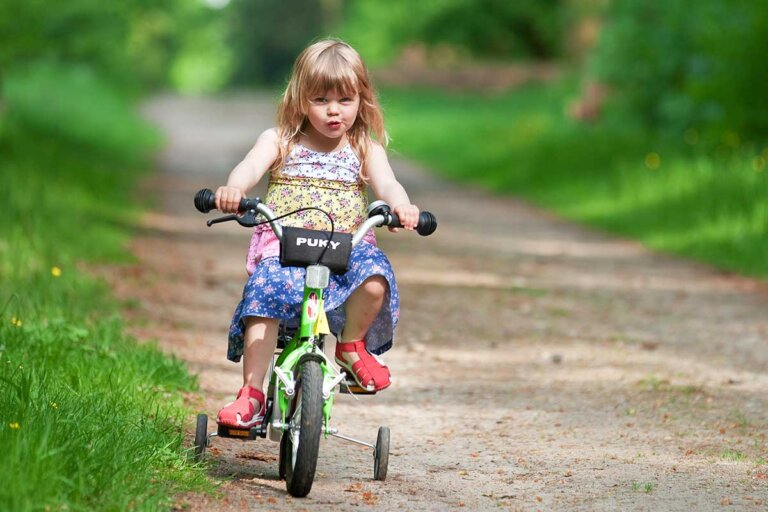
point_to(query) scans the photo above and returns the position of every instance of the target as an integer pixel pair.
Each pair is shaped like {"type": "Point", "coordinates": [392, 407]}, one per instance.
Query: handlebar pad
{"type": "Point", "coordinates": [426, 226]}
{"type": "Point", "coordinates": [205, 201]}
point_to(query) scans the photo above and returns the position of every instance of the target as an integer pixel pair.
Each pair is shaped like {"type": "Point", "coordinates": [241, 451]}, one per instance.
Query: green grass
{"type": "Point", "coordinates": [704, 200]}
{"type": "Point", "coordinates": [732, 455]}
{"type": "Point", "coordinates": [646, 487]}
{"type": "Point", "coordinates": [89, 419]}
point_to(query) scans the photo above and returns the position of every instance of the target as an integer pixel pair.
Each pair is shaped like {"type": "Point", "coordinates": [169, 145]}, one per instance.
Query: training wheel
{"type": "Point", "coordinates": [381, 454]}
{"type": "Point", "coordinates": [201, 436]}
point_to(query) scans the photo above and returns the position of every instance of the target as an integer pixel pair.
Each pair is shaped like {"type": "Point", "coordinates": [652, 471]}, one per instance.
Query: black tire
{"type": "Point", "coordinates": [300, 446]}
{"type": "Point", "coordinates": [285, 455]}
{"type": "Point", "coordinates": [201, 436]}
{"type": "Point", "coordinates": [381, 454]}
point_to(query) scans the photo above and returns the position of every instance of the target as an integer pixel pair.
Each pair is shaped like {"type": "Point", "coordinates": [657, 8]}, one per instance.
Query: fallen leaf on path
{"type": "Point", "coordinates": [369, 498]}
{"type": "Point", "coordinates": [257, 456]}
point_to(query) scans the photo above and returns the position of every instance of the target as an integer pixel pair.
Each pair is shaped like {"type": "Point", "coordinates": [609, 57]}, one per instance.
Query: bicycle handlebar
{"type": "Point", "coordinates": [205, 201]}
{"type": "Point", "coordinates": [379, 214]}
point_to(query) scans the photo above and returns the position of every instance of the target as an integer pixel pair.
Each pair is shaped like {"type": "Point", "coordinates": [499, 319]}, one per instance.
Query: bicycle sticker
{"type": "Point", "coordinates": [322, 327]}
{"type": "Point", "coordinates": [312, 306]}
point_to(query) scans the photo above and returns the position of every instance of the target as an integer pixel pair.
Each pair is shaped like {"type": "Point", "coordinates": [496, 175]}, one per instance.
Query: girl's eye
{"type": "Point", "coordinates": [318, 100]}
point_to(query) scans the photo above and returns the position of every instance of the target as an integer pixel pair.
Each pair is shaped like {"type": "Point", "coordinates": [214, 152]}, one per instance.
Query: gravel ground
{"type": "Point", "coordinates": [538, 365]}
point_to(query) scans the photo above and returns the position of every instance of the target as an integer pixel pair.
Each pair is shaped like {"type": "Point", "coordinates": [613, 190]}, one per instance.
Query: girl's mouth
{"type": "Point", "coordinates": [334, 124]}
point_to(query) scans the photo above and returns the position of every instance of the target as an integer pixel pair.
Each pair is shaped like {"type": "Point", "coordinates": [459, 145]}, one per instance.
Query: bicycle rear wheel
{"type": "Point", "coordinates": [300, 444]}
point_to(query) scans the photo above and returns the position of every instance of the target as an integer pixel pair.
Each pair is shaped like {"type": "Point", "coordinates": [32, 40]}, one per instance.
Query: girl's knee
{"type": "Point", "coordinates": [256, 321]}
{"type": "Point", "coordinates": [375, 286]}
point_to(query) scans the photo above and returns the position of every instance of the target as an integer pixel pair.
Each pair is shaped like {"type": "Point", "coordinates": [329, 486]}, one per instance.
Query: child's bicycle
{"type": "Point", "coordinates": [302, 381]}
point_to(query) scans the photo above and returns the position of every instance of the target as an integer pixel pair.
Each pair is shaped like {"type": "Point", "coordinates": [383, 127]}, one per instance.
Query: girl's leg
{"type": "Point", "coordinates": [259, 345]}
{"type": "Point", "coordinates": [362, 307]}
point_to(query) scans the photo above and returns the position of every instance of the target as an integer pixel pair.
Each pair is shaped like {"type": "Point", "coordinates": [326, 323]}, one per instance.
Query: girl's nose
{"type": "Point", "coordinates": [333, 108]}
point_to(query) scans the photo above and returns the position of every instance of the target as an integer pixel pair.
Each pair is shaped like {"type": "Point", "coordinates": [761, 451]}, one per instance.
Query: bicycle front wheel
{"type": "Point", "coordinates": [300, 444]}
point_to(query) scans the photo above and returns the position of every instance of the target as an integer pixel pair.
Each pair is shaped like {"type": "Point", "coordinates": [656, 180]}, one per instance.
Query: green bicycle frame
{"type": "Point", "coordinates": [313, 329]}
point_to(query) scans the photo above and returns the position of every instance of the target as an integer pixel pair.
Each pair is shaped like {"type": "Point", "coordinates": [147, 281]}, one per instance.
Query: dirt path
{"type": "Point", "coordinates": [538, 365]}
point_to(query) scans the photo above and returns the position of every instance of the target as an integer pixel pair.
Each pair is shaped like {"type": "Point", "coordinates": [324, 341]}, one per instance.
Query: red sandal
{"type": "Point", "coordinates": [241, 413]}
{"type": "Point", "coordinates": [370, 373]}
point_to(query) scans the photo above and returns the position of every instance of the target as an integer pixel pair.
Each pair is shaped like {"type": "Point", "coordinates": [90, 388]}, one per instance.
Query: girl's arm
{"type": "Point", "coordinates": [387, 188]}
{"type": "Point", "coordinates": [247, 173]}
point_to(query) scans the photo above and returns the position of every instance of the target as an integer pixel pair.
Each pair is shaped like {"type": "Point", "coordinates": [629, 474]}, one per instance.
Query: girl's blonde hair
{"type": "Point", "coordinates": [330, 64]}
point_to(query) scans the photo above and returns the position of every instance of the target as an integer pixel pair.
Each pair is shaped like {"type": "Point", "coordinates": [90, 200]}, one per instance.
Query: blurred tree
{"type": "Point", "coordinates": [267, 35]}
{"type": "Point", "coordinates": [688, 63]}
{"type": "Point", "coordinates": [495, 29]}
{"type": "Point", "coordinates": [131, 42]}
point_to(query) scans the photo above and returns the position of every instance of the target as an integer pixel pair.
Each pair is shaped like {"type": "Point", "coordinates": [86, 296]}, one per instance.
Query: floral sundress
{"type": "Point", "coordinates": [329, 181]}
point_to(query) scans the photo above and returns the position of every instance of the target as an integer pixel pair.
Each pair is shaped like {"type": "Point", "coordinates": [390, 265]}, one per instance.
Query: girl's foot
{"type": "Point", "coordinates": [245, 412]}
{"type": "Point", "coordinates": [368, 371]}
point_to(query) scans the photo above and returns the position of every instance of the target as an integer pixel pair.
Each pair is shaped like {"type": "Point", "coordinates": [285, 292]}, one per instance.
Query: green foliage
{"type": "Point", "coordinates": [268, 35]}
{"type": "Point", "coordinates": [710, 203]}
{"type": "Point", "coordinates": [688, 63]}
{"type": "Point", "coordinates": [379, 31]}
{"type": "Point", "coordinates": [133, 42]}
{"type": "Point", "coordinates": [496, 29]}
{"type": "Point", "coordinates": [89, 420]}
{"type": "Point", "coordinates": [72, 103]}
{"type": "Point", "coordinates": [69, 31]}
{"type": "Point", "coordinates": [204, 62]}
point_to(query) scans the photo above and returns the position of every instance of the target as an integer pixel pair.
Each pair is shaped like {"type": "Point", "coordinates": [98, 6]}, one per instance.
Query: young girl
{"type": "Point", "coordinates": [327, 148]}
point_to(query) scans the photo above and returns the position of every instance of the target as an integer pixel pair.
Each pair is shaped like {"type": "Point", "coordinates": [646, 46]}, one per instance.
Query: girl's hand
{"type": "Point", "coordinates": [228, 199]}
{"type": "Point", "coordinates": [408, 214]}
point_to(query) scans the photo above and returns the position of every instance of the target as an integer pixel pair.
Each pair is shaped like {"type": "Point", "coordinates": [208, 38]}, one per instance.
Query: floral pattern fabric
{"type": "Point", "coordinates": [330, 181]}
{"type": "Point", "coordinates": [274, 291]}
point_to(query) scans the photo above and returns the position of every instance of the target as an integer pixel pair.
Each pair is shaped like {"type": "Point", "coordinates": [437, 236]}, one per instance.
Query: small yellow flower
{"type": "Point", "coordinates": [15, 425]}
{"type": "Point", "coordinates": [56, 272]}
{"type": "Point", "coordinates": [758, 163]}
{"type": "Point", "coordinates": [54, 405]}
{"type": "Point", "coordinates": [652, 160]}
{"type": "Point", "coordinates": [16, 321]}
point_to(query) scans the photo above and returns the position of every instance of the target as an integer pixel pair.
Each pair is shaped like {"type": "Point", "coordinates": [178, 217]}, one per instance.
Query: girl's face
{"type": "Point", "coordinates": [332, 113]}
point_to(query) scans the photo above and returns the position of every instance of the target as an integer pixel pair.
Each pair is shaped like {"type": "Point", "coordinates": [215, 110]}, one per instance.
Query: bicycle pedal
{"type": "Point", "coordinates": [239, 433]}
{"type": "Point", "coordinates": [350, 387]}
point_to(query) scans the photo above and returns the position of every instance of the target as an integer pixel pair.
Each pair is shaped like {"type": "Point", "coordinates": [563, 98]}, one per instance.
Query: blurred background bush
{"type": "Point", "coordinates": [572, 102]}
{"type": "Point", "coordinates": [668, 66]}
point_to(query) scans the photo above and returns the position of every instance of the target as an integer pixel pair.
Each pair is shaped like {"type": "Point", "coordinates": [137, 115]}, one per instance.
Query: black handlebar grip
{"type": "Point", "coordinates": [205, 201]}
{"type": "Point", "coordinates": [426, 226]}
